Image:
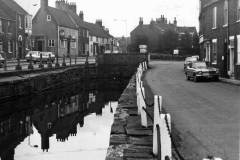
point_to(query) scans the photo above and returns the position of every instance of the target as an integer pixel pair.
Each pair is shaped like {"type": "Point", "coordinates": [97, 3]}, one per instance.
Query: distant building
{"type": "Point", "coordinates": [99, 38]}
{"type": "Point", "coordinates": [15, 30]}
{"type": "Point", "coordinates": [152, 33]}
{"type": "Point", "coordinates": [220, 35]}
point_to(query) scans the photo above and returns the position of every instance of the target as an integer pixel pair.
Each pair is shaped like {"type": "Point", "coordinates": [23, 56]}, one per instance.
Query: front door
{"type": "Point", "coordinates": [231, 63]}
{"type": "Point", "coordinates": [40, 46]}
{"type": "Point", "coordinates": [68, 48]}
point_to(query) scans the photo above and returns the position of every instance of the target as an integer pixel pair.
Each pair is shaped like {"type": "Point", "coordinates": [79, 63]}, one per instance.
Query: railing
{"type": "Point", "coordinates": [31, 64]}
{"type": "Point", "coordinates": [163, 141]}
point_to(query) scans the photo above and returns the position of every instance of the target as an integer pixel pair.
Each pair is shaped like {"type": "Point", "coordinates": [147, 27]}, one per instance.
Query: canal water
{"type": "Point", "coordinates": [68, 123]}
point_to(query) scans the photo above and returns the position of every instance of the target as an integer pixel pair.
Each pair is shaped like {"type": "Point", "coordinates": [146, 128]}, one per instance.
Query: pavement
{"type": "Point", "coordinates": [205, 114]}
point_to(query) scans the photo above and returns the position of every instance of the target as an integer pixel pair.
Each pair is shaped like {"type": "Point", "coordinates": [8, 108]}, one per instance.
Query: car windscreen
{"type": "Point", "coordinates": [200, 65]}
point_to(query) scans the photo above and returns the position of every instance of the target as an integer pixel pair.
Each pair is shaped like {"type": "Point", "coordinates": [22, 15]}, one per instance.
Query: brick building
{"type": "Point", "coordinates": [15, 29]}
{"type": "Point", "coordinates": [220, 35]}
{"type": "Point", "coordinates": [152, 34]}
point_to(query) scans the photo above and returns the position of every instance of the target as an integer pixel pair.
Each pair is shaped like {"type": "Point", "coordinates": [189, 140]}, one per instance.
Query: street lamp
{"type": "Point", "coordinates": [125, 21]}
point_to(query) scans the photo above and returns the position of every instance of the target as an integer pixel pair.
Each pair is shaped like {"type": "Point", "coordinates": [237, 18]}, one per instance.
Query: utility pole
{"type": "Point", "coordinates": [228, 40]}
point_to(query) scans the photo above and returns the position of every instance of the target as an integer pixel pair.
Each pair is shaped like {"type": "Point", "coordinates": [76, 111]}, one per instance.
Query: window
{"type": "Point", "coordinates": [238, 49]}
{"type": "Point", "coordinates": [26, 22]}
{"type": "Point", "coordinates": [51, 43]}
{"type": "Point", "coordinates": [238, 11]}
{"type": "Point", "coordinates": [91, 38]}
{"type": "Point", "coordinates": [9, 47]}
{"type": "Point", "coordinates": [62, 43]}
{"type": "Point", "coordinates": [19, 22]}
{"type": "Point", "coordinates": [49, 18]}
{"type": "Point", "coordinates": [214, 17]}
{"type": "Point", "coordinates": [73, 45]}
{"type": "Point", "coordinates": [207, 51]}
{"type": "Point", "coordinates": [214, 51]}
{"type": "Point", "coordinates": [1, 26]}
{"type": "Point", "coordinates": [1, 46]}
{"type": "Point", "coordinates": [225, 16]}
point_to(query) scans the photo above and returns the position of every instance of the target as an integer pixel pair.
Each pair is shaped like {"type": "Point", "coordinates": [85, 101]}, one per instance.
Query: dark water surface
{"type": "Point", "coordinates": [71, 123]}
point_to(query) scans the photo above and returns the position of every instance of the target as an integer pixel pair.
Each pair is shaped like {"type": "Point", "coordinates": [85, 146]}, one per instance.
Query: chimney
{"type": "Point", "coordinates": [99, 22]}
{"type": "Point", "coordinates": [44, 4]}
{"type": "Point", "coordinates": [72, 7]}
{"type": "Point", "coordinates": [81, 15]}
{"type": "Point", "coordinates": [141, 21]}
{"type": "Point", "coordinates": [107, 30]}
{"type": "Point", "coordinates": [175, 21]}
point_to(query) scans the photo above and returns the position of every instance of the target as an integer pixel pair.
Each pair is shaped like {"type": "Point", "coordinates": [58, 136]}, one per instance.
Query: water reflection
{"type": "Point", "coordinates": [58, 115]}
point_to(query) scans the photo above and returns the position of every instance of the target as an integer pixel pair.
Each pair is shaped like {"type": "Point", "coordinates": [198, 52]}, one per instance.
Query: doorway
{"type": "Point", "coordinates": [231, 63]}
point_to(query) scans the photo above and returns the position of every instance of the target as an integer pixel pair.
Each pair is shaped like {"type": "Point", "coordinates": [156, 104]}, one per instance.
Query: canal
{"type": "Point", "coordinates": [63, 124]}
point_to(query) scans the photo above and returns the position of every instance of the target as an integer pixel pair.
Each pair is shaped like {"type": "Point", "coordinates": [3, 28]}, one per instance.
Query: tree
{"type": "Point", "coordinates": [170, 40]}
{"type": "Point", "coordinates": [138, 40]}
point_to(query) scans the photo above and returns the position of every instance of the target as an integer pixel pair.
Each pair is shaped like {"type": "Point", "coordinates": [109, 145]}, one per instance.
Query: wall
{"type": "Point", "coordinates": [49, 30]}
{"type": "Point", "coordinates": [220, 33]}
{"type": "Point", "coordinates": [63, 50]}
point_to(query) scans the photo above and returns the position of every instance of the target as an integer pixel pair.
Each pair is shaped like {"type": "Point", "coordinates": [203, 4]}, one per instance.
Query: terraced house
{"type": "Point", "coordinates": [15, 30]}
{"type": "Point", "coordinates": [220, 35]}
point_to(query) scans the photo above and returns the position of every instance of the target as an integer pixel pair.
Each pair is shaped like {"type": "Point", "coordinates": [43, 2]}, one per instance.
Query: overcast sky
{"type": "Point", "coordinates": [123, 15]}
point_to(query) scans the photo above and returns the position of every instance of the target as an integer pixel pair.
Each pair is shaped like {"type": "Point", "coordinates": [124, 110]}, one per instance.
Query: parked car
{"type": "Point", "coordinates": [189, 61]}
{"type": "Point", "coordinates": [36, 56]}
{"type": "Point", "coordinates": [1, 60]}
{"type": "Point", "coordinates": [197, 70]}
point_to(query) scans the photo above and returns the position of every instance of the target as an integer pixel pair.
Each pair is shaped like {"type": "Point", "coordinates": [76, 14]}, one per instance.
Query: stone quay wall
{"type": "Point", "coordinates": [34, 83]}
{"type": "Point", "coordinates": [128, 139]}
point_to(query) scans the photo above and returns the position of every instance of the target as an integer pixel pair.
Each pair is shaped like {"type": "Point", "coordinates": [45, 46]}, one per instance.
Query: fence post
{"type": "Point", "coordinates": [157, 112]}
{"type": "Point", "coordinates": [63, 61]}
{"type": "Point", "coordinates": [137, 91]}
{"type": "Point", "coordinates": [57, 65]}
{"type": "Point", "coordinates": [41, 63]}
{"type": "Point", "coordinates": [30, 66]}
{"type": "Point", "coordinates": [18, 66]}
{"type": "Point", "coordinates": [49, 61]}
{"type": "Point", "coordinates": [75, 59]}
{"type": "Point", "coordinates": [143, 105]}
{"type": "Point", "coordinates": [165, 130]}
{"type": "Point", "coordinates": [5, 64]}
{"type": "Point", "coordinates": [70, 61]}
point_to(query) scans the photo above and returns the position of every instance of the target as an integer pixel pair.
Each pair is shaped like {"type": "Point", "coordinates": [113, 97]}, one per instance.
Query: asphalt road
{"type": "Point", "coordinates": [206, 114]}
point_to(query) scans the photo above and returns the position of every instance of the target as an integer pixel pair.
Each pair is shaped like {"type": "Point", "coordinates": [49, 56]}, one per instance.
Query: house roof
{"type": "Point", "coordinates": [77, 19]}
{"type": "Point", "coordinates": [14, 6]}
{"type": "Point", "coordinates": [147, 29]}
{"type": "Point", "coordinates": [3, 14]}
{"type": "Point", "coordinates": [186, 29]}
{"type": "Point", "coordinates": [62, 18]}
{"type": "Point", "coordinates": [97, 30]}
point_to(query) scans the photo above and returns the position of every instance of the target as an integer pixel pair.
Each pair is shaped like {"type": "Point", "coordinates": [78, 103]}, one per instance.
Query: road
{"type": "Point", "coordinates": [206, 114]}
{"type": "Point", "coordinates": [80, 60]}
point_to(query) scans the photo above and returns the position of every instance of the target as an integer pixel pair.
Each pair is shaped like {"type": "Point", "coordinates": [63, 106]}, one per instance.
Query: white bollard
{"type": "Point", "coordinates": [166, 145]}
{"type": "Point", "coordinates": [138, 92]}
{"type": "Point", "coordinates": [143, 105]}
{"type": "Point", "coordinates": [157, 106]}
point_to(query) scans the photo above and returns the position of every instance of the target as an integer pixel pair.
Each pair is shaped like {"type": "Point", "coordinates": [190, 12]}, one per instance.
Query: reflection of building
{"type": "Point", "coordinates": [15, 29]}
{"type": "Point", "coordinates": [220, 35]}
{"type": "Point", "coordinates": [13, 130]}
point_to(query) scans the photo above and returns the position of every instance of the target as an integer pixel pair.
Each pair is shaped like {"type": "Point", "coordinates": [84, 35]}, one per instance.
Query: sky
{"type": "Point", "coordinates": [122, 16]}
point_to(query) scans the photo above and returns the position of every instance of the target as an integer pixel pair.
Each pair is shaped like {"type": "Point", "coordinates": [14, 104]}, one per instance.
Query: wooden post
{"type": "Point", "coordinates": [166, 144]}
{"type": "Point", "coordinates": [157, 111]}
{"type": "Point", "coordinates": [143, 105]}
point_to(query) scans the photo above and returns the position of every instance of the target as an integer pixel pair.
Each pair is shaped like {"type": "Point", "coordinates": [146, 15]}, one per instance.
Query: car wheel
{"type": "Point", "coordinates": [187, 77]}
{"type": "Point", "coordinates": [216, 79]}
{"type": "Point", "coordinates": [195, 79]}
